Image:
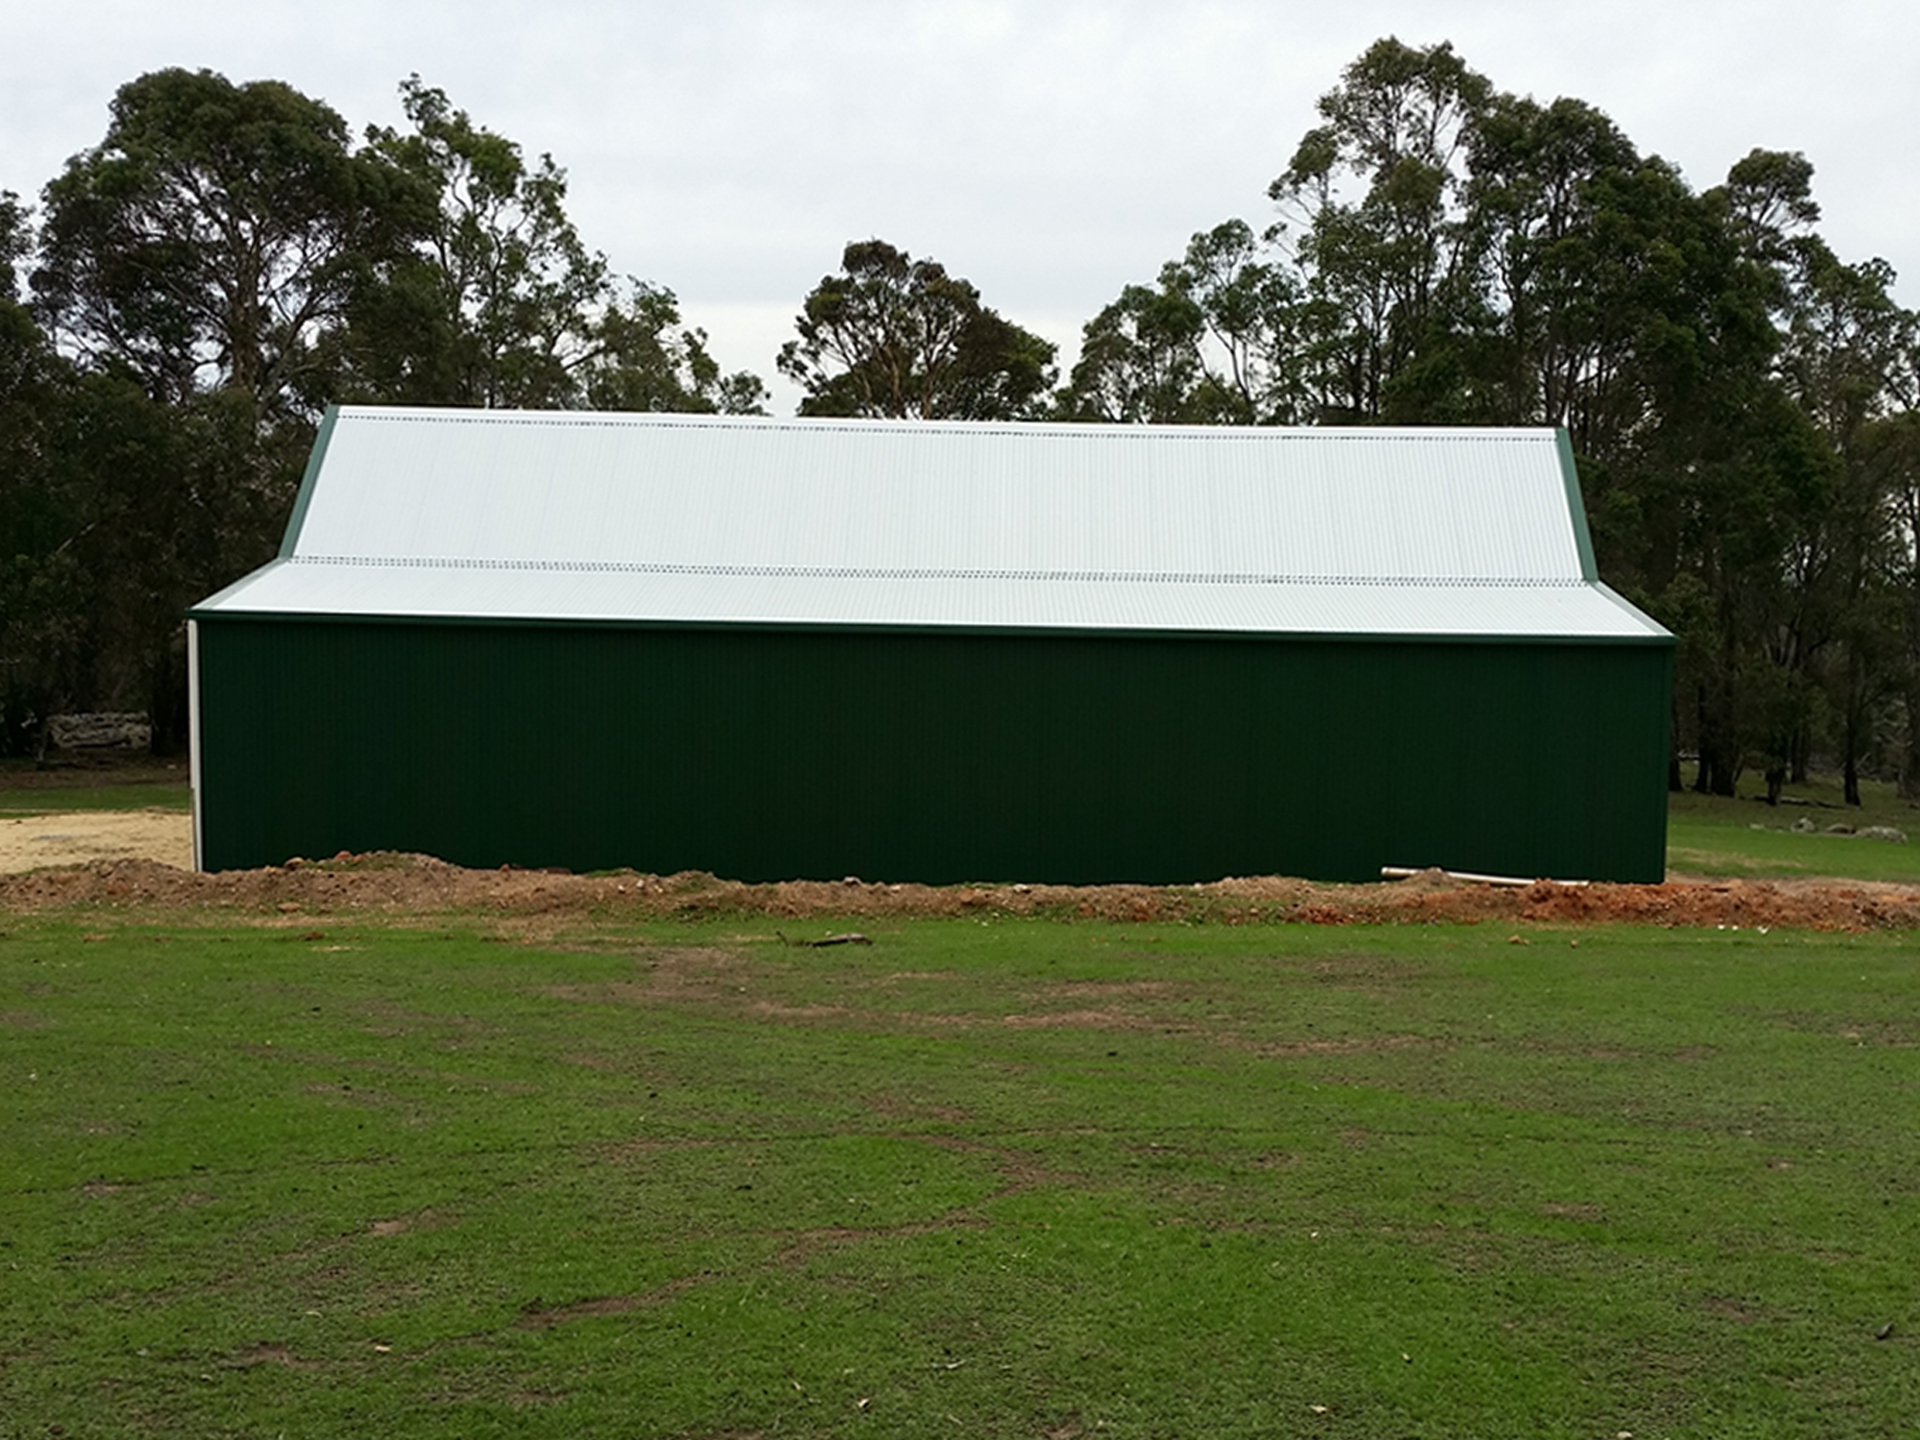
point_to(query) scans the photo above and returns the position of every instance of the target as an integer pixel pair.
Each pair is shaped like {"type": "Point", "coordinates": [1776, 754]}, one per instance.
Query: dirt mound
{"type": "Point", "coordinates": [386, 884]}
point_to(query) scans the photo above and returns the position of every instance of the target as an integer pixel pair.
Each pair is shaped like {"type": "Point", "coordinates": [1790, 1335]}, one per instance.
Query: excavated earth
{"type": "Point", "coordinates": [389, 886]}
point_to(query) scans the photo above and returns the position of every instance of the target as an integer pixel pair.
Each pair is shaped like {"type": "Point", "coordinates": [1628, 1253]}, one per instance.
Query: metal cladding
{"type": "Point", "coordinates": [780, 649]}
{"type": "Point", "coordinates": [692, 520]}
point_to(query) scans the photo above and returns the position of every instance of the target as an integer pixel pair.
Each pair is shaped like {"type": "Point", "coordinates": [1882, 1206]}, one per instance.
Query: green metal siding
{"type": "Point", "coordinates": [764, 755]}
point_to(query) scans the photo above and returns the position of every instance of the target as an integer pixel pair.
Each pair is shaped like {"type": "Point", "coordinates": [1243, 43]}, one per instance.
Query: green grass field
{"type": "Point", "coordinates": [1015, 1178]}
{"type": "Point", "coordinates": [125, 784]}
{"type": "Point", "coordinates": [1711, 835]}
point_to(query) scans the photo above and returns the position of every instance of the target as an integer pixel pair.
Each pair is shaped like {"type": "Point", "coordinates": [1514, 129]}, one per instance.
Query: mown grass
{"type": "Point", "coordinates": [119, 797]}
{"type": "Point", "coordinates": [1018, 1178]}
{"type": "Point", "coordinates": [1715, 835]}
{"type": "Point", "coordinates": [133, 783]}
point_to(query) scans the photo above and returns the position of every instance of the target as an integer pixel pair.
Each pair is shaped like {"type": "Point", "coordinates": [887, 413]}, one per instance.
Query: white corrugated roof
{"type": "Point", "coordinates": [689, 520]}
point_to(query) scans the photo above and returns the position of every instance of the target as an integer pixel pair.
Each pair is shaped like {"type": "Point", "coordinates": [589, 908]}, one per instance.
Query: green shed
{"type": "Point", "coordinates": [937, 652]}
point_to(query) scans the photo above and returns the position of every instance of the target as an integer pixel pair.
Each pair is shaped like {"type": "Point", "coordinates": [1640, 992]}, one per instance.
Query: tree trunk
{"type": "Point", "coordinates": [1910, 766]}
{"type": "Point", "coordinates": [1701, 731]}
{"type": "Point", "coordinates": [167, 709]}
{"type": "Point", "coordinates": [1850, 766]}
{"type": "Point", "coordinates": [1719, 747]}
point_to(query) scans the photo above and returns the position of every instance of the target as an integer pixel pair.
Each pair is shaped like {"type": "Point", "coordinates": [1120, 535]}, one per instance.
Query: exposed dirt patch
{"type": "Point", "coordinates": [1359, 1045]}
{"type": "Point", "coordinates": [1741, 1312]}
{"type": "Point", "coordinates": [539, 905]}
{"type": "Point", "coordinates": [536, 1314]}
{"type": "Point", "coordinates": [1080, 1020]}
{"type": "Point", "coordinates": [896, 1108]}
{"type": "Point", "coordinates": [1097, 989]}
{"type": "Point", "coordinates": [665, 973]}
{"type": "Point", "coordinates": [767, 1009]}
{"type": "Point", "coordinates": [267, 1354]}
{"type": "Point", "coordinates": [1580, 1210]}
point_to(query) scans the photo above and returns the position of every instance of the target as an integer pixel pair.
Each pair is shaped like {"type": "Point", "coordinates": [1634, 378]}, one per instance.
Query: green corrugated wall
{"type": "Point", "coordinates": [763, 755]}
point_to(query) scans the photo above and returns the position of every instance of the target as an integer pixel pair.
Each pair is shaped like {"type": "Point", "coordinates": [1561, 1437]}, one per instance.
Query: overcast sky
{"type": "Point", "coordinates": [1050, 152]}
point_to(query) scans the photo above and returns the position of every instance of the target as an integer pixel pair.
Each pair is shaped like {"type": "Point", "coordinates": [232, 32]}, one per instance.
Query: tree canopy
{"type": "Point", "coordinates": [216, 239]}
{"type": "Point", "coordinates": [230, 258]}
{"type": "Point", "coordinates": [894, 337]}
{"type": "Point", "coordinates": [501, 304]}
{"type": "Point", "coordinates": [225, 263]}
{"type": "Point", "coordinates": [1442, 252]}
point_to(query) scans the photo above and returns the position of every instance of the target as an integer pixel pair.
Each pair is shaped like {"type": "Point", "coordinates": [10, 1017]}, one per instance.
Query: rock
{"type": "Point", "coordinates": [1883, 832]}
{"type": "Point", "coordinates": [105, 730]}
{"type": "Point", "coordinates": [1804, 826]}
{"type": "Point", "coordinates": [1841, 829]}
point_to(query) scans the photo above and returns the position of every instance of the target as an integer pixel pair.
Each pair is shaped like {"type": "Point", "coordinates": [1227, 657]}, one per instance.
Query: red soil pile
{"type": "Point", "coordinates": [388, 885]}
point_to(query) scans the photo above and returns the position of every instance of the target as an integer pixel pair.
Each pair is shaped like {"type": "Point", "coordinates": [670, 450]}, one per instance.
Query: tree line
{"type": "Point", "coordinates": [1741, 400]}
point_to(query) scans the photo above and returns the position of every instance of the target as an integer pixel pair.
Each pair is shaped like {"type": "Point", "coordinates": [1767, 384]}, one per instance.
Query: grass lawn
{"type": "Point", "coordinates": [1014, 1178]}
{"type": "Point", "coordinates": [131, 783]}
{"type": "Point", "coordinates": [1713, 835]}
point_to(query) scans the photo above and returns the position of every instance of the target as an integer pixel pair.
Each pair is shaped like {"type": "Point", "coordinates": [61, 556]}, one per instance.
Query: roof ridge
{"type": "Point", "coordinates": [859, 572]}
{"type": "Point", "coordinates": [1079, 429]}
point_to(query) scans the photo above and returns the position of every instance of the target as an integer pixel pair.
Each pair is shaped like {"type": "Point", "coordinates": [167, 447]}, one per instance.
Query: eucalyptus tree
{"type": "Point", "coordinates": [1552, 214]}
{"type": "Point", "coordinates": [1260, 327]}
{"type": "Point", "coordinates": [891, 336]}
{"type": "Point", "coordinates": [1847, 358]}
{"type": "Point", "coordinates": [499, 302]}
{"type": "Point", "coordinates": [1892, 447]}
{"type": "Point", "coordinates": [16, 242]}
{"type": "Point", "coordinates": [1218, 340]}
{"type": "Point", "coordinates": [1372, 206]}
{"type": "Point", "coordinates": [42, 587]}
{"type": "Point", "coordinates": [491, 304]}
{"type": "Point", "coordinates": [1139, 361]}
{"type": "Point", "coordinates": [222, 265]}
{"type": "Point", "coordinates": [216, 240]}
{"type": "Point", "coordinates": [199, 266]}
{"type": "Point", "coordinates": [1447, 253]}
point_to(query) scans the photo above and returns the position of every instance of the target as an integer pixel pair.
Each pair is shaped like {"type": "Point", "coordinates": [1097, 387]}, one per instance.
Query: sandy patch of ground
{"type": "Point", "coordinates": [77, 837]}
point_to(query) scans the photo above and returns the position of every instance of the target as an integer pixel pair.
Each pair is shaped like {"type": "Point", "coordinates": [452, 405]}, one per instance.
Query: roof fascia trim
{"type": "Point", "coordinates": [1577, 507]}
{"type": "Point", "coordinates": [213, 607]}
{"type": "Point", "coordinates": [307, 482]}
{"type": "Point", "coordinates": [1661, 639]}
{"type": "Point", "coordinates": [1655, 629]}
